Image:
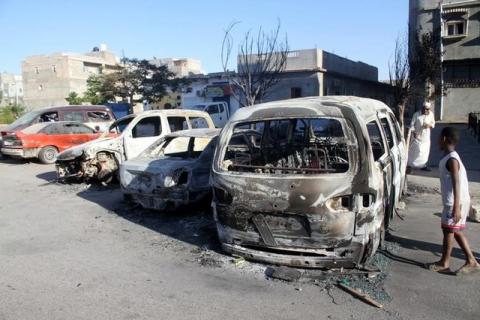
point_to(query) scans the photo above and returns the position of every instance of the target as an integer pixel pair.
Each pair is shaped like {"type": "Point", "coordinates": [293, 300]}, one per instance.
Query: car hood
{"type": "Point", "coordinates": [155, 166]}
{"type": "Point", "coordinates": [88, 148]}
{"type": "Point", "coordinates": [145, 174]}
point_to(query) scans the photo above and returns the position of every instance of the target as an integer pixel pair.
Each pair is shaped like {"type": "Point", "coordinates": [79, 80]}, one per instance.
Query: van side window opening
{"type": "Point", "coordinates": [147, 127]}
{"type": "Point", "coordinates": [177, 123]}
{"type": "Point", "coordinates": [388, 132]}
{"type": "Point", "coordinates": [49, 117]}
{"type": "Point", "coordinates": [73, 116]}
{"type": "Point", "coordinates": [376, 140]}
{"type": "Point", "coordinates": [288, 146]}
{"type": "Point", "coordinates": [98, 116]}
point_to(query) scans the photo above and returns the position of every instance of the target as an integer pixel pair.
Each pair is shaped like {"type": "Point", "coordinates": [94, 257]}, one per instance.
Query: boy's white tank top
{"type": "Point", "coordinates": [446, 180]}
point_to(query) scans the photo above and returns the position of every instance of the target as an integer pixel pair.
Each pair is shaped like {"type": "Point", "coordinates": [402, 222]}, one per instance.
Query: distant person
{"type": "Point", "coordinates": [422, 123]}
{"type": "Point", "coordinates": [456, 204]}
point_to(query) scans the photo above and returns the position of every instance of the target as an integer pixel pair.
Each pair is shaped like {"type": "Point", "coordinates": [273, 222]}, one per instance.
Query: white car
{"type": "Point", "coordinates": [100, 158]}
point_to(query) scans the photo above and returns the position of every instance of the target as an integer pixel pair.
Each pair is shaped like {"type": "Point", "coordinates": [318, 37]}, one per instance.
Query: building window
{"type": "Point", "coordinates": [54, 68]}
{"type": "Point", "coordinates": [456, 28]}
{"type": "Point", "coordinates": [36, 70]}
{"type": "Point", "coordinates": [295, 92]}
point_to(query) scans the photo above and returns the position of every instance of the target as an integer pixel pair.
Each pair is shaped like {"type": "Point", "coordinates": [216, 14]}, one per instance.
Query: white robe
{"type": "Point", "coordinates": [420, 145]}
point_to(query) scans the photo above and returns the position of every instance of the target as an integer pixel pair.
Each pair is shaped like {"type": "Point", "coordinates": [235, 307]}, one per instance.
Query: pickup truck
{"type": "Point", "coordinates": [100, 159]}
{"type": "Point", "coordinates": [218, 111]}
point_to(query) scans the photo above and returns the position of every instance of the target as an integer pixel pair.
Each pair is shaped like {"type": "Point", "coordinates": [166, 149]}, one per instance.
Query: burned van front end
{"type": "Point", "coordinates": [294, 184]}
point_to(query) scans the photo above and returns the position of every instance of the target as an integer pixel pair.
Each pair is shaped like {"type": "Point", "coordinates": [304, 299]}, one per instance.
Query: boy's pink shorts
{"type": "Point", "coordinates": [447, 218]}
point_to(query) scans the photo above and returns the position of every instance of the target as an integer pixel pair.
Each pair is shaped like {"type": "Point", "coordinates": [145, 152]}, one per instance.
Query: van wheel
{"type": "Point", "coordinates": [48, 155]}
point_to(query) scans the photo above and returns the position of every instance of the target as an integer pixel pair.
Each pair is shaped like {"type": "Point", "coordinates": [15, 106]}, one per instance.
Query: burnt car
{"type": "Point", "coordinates": [309, 182]}
{"type": "Point", "coordinates": [126, 139]}
{"type": "Point", "coordinates": [174, 171]}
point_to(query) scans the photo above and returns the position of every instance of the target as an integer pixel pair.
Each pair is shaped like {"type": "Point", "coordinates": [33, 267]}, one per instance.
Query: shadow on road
{"type": "Point", "coordinates": [426, 246]}
{"type": "Point", "coordinates": [193, 225]}
{"type": "Point", "coordinates": [14, 161]}
{"type": "Point", "coordinates": [49, 176]}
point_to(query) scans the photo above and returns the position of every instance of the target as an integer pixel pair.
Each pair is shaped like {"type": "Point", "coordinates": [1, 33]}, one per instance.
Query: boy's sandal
{"type": "Point", "coordinates": [436, 268]}
{"type": "Point", "coordinates": [468, 270]}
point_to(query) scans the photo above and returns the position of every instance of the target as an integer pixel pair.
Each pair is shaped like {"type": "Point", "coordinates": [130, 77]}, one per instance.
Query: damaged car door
{"type": "Point", "coordinates": [145, 132]}
{"type": "Point", "coordinates": [383, 162]}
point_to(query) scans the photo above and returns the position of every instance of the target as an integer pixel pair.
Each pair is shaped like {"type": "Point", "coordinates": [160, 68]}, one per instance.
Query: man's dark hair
{"type": "Point", "coordinates": [450, 134]}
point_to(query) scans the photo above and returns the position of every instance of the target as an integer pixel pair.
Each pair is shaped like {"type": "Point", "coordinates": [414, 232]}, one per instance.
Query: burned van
{"type": "Point", "coordinates": [307, 182]}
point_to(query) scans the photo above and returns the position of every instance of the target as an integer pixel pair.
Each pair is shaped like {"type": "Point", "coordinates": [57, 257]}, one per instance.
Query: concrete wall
{"type": "Point", "coordinates": [467, 47]}
{"type": "Point", "coordinates": [309, 82]}
{"type": "Point", "coordinates": [460, 102]}
{"type": "Point", "coordinates": [356, 69]}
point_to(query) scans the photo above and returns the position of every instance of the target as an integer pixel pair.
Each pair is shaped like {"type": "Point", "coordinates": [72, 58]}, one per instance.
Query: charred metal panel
{"type": "Point", "coordinates": [279, 210]}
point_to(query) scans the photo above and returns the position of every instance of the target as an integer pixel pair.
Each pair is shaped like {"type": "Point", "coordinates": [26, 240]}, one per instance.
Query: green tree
{"type": "Point", "coordinates": [11, 112]}
{"type": "Point", "coordinates": [135, 81]}
{"type": "Point", "coordinates": [100, 89]}
{"type": "Point", "coordinates": [74, 99]}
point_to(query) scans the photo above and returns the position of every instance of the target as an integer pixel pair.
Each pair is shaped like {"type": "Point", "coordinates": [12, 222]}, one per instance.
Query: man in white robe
{"type": "Point", "coordinates": [422, 123]}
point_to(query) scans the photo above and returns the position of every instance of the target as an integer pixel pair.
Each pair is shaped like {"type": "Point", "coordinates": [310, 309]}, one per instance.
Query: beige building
{"type": "Point", "coordinates": [49, 79]}
{"type": "Point", "coordinates": [181, 67]}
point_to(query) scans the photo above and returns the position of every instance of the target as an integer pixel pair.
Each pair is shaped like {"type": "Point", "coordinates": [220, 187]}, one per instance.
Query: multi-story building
{"type": "Point", "coordinates": [457, 24]}
{"type": "Point", "coordinates": [315, 72]}
{"type": "Point", "coordinates": [183, 67]}
{"type": "Point", "coordinates": [11, 88]}
{"type": "Point", "coordinates": [49, 79]}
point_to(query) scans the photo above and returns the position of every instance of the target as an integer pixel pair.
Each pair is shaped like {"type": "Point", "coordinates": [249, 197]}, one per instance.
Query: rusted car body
{"type": "Point", "coordinates": [172, 172]}
{"type": "Point", "coordinates": [45, 140]}
{"type": "Point", "coordinates": [309, 184]}
{"type": "Point", "coordinates": [100, 159]}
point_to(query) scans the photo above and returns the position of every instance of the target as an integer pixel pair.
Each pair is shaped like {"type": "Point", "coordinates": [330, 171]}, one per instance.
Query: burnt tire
{"type": "Point", "coordinates": [48, 155]}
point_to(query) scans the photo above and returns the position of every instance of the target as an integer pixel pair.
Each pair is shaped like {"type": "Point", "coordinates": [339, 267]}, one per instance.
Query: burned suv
{"type": "Point", "coordinates": [307, 182]}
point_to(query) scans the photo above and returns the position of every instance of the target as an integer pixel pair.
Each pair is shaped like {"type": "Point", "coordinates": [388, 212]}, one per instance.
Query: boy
{"type": "Point", "coordinates": [456, 204]}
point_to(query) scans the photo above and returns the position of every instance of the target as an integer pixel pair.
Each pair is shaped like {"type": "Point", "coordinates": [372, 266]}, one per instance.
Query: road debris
{"type": "Point", "coordinates": [239, 262]}
{"type": "Point", "coordinates": [360, 295]}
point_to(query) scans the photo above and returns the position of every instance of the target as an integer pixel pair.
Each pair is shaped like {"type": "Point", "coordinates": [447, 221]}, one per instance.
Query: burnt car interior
{"type": "Point", "coordinates": [288, 146]}
{"type": "Point", "coordinates": [179, 147]}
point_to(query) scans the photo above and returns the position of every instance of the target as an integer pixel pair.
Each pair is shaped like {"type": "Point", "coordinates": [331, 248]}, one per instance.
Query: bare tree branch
{"type": "Point", "coordinates": [261, 58]}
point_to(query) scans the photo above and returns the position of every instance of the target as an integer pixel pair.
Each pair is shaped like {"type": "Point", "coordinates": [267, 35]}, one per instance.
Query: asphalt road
{"type": "Point", "coordinates": [79, 252]}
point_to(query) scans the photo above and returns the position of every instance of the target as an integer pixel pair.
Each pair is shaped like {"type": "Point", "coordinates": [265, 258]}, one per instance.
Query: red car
{"type": "Point", "coordinates": [45, 140]}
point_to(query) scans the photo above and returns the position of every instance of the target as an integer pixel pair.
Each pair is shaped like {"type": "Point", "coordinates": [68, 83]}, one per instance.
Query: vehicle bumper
{"type": "Point", "coordinates": [295, 239]}
{"type": "Point", "coordinates": [250, 246]}
{"type": "Point", "coordinates": [13, 152]}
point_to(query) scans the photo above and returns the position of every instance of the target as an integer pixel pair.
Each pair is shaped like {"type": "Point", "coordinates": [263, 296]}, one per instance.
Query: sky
{"type": "Point", "coordinates": [359, 30]}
